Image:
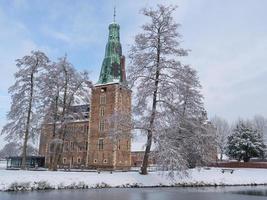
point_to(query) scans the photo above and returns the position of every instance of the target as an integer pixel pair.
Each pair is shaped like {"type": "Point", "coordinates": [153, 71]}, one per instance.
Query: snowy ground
{"type": "Point", "coordinates": [30, 180]}
{"type": "Point", "coordinates": [2, 164]}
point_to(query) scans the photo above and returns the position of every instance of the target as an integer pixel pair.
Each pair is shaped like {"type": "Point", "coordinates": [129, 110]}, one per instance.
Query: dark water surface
{"type": "Point", "coordinates": [220, 193]}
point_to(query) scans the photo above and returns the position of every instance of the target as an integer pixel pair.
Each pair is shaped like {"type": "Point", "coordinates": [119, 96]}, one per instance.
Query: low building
{"type": "Point", "coordinates": [14, 162]}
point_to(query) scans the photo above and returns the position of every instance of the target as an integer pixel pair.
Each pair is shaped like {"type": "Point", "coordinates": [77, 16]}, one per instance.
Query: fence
{"type": "Point", "coordinates": [262, 165]}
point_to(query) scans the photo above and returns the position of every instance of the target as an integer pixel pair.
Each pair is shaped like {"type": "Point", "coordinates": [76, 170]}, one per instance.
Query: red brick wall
{"type": "Point", "coordinates": [240, 164]}
{"type": "Point", "coordinates": [118, 98]}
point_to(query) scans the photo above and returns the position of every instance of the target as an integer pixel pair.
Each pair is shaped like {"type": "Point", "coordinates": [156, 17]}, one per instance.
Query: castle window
{"type": "Point", "coordinates": [46, 148]}
{"type": "Point", "coordinates": [72, 146]}
{"type": "Point", "coordinates": [66, 146]}
{"type": "Point", "coordinates": [78, 160]}
{"type": "Point", "coordinates": [119, 145]}
{"type": "Point", "coordinates": [101, 125]}
{"type": "Point", "coordinates": [80, 147]}
{"type": "Point", "coordinates": [128, 145]}
{"type": "Point", "coordinates": [51, 147]}
{"type": "Point", "coordinates": [105, 161]}
{"type": "Point", "coordinates": [101, 144]}
{"type": "Point", "coordinates": [95, 160]}
{"type": "Point", "coordinates": [103, 99]}
{"type": "Point", "coordinates": [64, 160]}
{"type": "Point", "coordinates": [86, 146]}
{"type": "Point", "coordinates": [87, 129]}
{"type": "Point", "coordinates": [102, 111]}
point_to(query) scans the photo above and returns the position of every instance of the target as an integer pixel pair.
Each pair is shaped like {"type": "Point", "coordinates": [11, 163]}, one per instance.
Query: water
{"type": "Point", "coordinates": [220, 193]}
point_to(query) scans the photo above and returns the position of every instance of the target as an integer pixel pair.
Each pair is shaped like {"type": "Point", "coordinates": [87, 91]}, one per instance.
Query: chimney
{"type": "Point", "coordinates": [123, 69]}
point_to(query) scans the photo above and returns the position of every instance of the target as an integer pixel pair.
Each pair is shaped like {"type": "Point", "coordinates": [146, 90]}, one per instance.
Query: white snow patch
{"type": "Point", "coordinates": [29, 180]}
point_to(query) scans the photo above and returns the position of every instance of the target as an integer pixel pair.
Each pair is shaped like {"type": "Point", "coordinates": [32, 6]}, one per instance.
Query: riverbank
{"type": "Point", "coordinates": [41, 180]}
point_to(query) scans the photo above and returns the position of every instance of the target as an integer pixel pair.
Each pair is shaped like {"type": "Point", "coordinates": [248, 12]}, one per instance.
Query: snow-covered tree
{"type": "Point", "coordinates": [245, 143]}
{"type": "Point", "coordinates": [10, 149]}
{"type": "Point", "coordinates": [31, 150]}
{"type": "Point", "coordinates": [222, 131]}
{"type": "Point", "coordinates": [168, 103]}
{"type": "Point", "coordinates": [16, 149]}
{"type": "Point", "coordinates": [25, 112]}
{"type": "Point", "coordinates": [260, 123]}
{"type": "Point", "coordinates": [120, 126]}
{"type": "Point", "coordinates": [64, 87]}
{"type": "Point", "coordinates": [151, 55]}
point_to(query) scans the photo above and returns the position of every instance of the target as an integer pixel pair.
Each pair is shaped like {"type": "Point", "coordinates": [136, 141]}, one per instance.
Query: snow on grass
{"type": "Point", "coordinates": [2, 164]}
{"type": "Point", "coordinates": [39, 180]}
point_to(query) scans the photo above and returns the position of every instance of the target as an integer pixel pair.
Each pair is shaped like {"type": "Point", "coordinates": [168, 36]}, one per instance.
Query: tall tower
{"type": "Point", "coordinates": [110, 96]}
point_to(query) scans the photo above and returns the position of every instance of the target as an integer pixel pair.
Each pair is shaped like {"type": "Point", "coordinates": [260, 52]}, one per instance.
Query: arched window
{"type": "Point", "coordinates": [101, 125]}
{"type": "Point", "coordinates": [102, 111]}
{"type": "Point", "coordinates": [101, 144]}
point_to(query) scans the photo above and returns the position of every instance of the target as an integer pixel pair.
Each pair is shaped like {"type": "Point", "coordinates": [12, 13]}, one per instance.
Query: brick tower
{"type": "Point", "coordinates": [110, 97]}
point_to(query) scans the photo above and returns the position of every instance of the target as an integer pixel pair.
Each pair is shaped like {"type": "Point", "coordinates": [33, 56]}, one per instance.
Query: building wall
{"type": "Point", "coordinates": [75, 144]}
{"type": "Point", "coordinates": [107, 100]}
{"type": "Point", "coordinates": [137, 159]}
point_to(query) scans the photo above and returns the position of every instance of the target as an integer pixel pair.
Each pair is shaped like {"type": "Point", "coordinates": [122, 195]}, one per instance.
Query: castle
{"type": "Point", "coordinates": [88, 143]}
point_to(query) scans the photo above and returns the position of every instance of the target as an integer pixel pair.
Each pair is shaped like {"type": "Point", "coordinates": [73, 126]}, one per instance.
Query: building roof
{"type": "Point", "coordinates": [112, 69]}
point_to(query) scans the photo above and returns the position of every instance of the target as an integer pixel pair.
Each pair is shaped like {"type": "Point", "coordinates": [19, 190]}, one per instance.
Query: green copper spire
{"type": "Point", "coordinates": [113, 69]}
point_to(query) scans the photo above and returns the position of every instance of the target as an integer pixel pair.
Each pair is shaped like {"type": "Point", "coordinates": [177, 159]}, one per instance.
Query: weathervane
{"type": "Point", "coordinates": [114, 14]}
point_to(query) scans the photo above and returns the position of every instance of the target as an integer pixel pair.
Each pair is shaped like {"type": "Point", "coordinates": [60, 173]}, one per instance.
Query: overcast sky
{"type": "Point", "coordinates": [228, 42]}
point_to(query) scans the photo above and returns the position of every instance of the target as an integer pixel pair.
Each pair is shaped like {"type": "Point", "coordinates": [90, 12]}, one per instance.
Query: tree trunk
{"type": "Point", "coordinates": [26, 136]}
{"type": "Point", "coordinates": [153, 114]}
{"type": "Point", "coordinates": [146, 156]}
{"type": "Point", "coordinates": [246, 159]}
{"type": "Point", "coordinates": [221, 154]}
{"type": "Point", "coordinates": [57, 153]}
{"type": "Point", "coordinates": [52, 156]}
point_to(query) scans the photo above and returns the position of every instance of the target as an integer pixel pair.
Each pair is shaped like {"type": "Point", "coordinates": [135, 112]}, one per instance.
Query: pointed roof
{"type": "Point", "coordinates": [112, 69]}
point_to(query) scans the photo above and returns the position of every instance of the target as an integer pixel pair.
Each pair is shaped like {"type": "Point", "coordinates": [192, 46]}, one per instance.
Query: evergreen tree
{"type": "Point", "coordinates": [245, 143]}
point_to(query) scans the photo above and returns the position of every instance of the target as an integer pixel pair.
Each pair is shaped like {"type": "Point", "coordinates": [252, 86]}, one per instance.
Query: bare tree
{"type": "Point", "coordinates": [15, 149]}
{"type": "Point", "coordinates": [153, 63]}
{"type": "Point", "coordinates": [65, 87]}
{"type": "Point", "coordinates": [260, 123]}
{"type": "Point", "coordinates": [10, 149]}
{"type": "Point", "coordinates": [120, 126]}
{"type": "Point", "coordinates": [26, 103]}
{"type": "Point", "coordinates": [222, 131]}
{"type": "Point", "coordinates": [183, 127]}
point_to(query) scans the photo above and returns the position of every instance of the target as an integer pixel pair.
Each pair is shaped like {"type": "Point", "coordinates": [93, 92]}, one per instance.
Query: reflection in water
{"type": "Point", "coordinates": [209, 193]}
{"type": "Point", "coordinates": [252, 192]}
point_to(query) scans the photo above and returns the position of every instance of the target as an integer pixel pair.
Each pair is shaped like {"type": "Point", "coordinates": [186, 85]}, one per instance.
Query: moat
{"type": "Point", "coordinates": [203, 193]}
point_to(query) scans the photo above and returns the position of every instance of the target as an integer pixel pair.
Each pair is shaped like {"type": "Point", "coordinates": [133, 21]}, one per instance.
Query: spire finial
{"type": "Point", "coordinates": [114, 14]}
